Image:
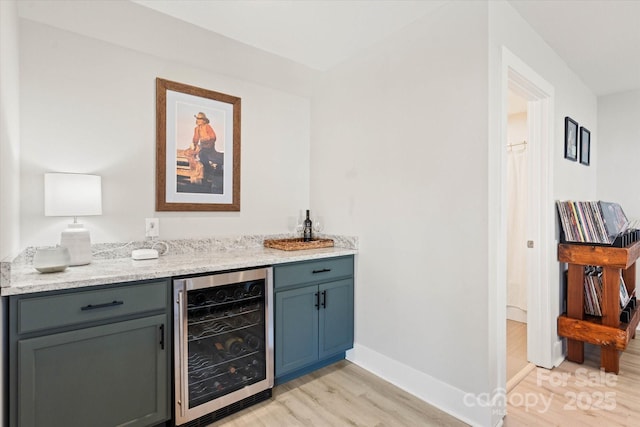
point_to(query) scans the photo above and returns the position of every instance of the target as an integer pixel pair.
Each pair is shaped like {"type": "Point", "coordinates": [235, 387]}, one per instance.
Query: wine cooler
{"type": "Point", "coordinates": [223, 355]}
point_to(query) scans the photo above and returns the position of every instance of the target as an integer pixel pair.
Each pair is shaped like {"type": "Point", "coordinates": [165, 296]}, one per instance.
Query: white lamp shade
{"type": "Point", "coordinates": [72, 194]}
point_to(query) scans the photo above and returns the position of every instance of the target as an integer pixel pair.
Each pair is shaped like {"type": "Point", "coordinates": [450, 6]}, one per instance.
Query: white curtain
{"type": "Point", "coordinates": [516, 223]}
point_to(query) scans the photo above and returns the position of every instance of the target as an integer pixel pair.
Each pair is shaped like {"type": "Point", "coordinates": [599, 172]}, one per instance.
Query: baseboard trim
{"type": "Point", "coordinates": [458, 403]}
{"type": "Point", "coordinates": [516, 314]}
{"type": "Point", "coordinates": [558, 352]}
{"type": "Point", "coordinates": [515, 380]}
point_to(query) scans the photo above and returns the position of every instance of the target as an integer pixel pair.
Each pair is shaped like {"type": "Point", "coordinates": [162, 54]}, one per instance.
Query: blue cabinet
{"type": "Point", "coordinates": [90, 357]}
{"type": "Point", "coordinates": [313, 315]}
{"type": "Point", "coordinates": [296, 329]}
{"type": "Point", "coordinates": [336, 317]}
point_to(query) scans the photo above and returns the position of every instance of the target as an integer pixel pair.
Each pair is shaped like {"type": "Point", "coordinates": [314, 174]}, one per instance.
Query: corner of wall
{"type": "Point", "coordinates": [9, 167]}
{"type": "Point", "coordinates": [9, 129]}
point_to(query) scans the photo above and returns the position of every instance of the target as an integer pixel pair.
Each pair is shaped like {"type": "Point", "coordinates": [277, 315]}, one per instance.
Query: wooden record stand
{"type": "Point", "coordinates": [607, 332]}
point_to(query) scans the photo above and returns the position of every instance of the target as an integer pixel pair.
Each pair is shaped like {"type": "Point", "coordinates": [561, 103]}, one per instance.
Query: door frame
{"type": "Point", "coordinates": [544, 347]}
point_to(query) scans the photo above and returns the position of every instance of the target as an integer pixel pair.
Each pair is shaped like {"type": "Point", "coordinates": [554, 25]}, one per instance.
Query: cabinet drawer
{"type": "Point", "coordinates": [54, 311]}
{"type": "Point", "coordinates": [319, 270]}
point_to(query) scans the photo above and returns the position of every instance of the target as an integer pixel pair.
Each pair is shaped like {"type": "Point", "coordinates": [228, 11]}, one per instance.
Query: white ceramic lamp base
{"type": "Point", "coordinates": [77, 240]}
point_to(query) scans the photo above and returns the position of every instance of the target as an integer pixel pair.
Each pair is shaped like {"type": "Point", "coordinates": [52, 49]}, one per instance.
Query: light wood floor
{"type": "Point", "coordinates": [342, 394]}
{"type": "Point", "coordinates": [347, 395]}
{"type": "Point", "coordinates": [516, 348]}
{"type": "Point", "coordinates": [579, 395]}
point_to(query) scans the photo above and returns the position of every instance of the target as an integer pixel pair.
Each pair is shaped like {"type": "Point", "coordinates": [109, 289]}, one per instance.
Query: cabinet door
{"type": "Point", "coordinates": [110, 375]}
{"type": "Point", "coordinates": [296, 329]}
{"type": "Point", "coordinates": [336, 317]}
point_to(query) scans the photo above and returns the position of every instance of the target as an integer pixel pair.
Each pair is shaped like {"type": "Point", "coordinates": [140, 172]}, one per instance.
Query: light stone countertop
{"type": "Point", "coordinates": [182, 258]}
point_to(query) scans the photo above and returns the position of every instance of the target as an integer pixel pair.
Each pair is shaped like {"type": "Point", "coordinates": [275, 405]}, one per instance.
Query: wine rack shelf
{"type": "Point", "coordinates": [225, 337]}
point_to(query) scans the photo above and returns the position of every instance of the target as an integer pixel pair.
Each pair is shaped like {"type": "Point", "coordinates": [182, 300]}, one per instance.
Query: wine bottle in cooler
{"type": "Point", "coordinates": [238, 293]}
{"type": "Point", "coordinates": [220, 295]}
{"type": "Point", "coordinates": [254, 289]}
{"type": "Point", "coordinates": [253, 317]}
{"type": "Point", "coordinates": [259, 367]}
{"type": "Point", "coordinates": [234, 345]}
{"type": "Point", "coordinates": [307, 227]}
{"type": "Point", "coordinates": [251, 341]}
{"type": "Point", "coordinates": [197, 306]}
{"type": "Point", "coordinates": [249, 372]}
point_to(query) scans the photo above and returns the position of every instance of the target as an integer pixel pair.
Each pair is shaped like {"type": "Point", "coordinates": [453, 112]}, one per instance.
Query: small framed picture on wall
{"type": "Point", "coordinates": [570, 139]}
{"type": "Point", "coordinates": [585, 146]}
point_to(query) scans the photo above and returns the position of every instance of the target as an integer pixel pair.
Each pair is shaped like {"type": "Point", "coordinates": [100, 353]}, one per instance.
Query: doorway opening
{"type": "Point", "coordinates": [537, 236]}
{"type": "Point", "coordinates": [517, 212]}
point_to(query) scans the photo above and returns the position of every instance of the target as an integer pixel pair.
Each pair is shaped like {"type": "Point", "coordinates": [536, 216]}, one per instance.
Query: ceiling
{"type": "Point", "coordinates": [598, 39]}
{"type": "Point", "coordinates": [316, 33]}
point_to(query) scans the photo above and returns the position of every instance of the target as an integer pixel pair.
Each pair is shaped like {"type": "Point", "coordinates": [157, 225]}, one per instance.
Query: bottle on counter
{"type": "Point", "coordinates": [307, 227]}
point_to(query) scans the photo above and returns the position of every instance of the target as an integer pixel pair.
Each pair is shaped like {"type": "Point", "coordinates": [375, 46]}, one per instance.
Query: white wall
{"type": "Point", "coordinates": [401, 161]}
{"type": "Point", "coordinates": [9, 164]}
{"type": "Point", "coordinates": [9, 130]}
{"type": "Point", "coordinates": [619, 136]}
{"type": "Point", "coordinates": [619, 147]}
{"type": "Point", "coordinates": [399, 158]}
{"type": "Point", "coordinates": [91, 109]}
{"type": "Point", "coordinates": [572, 98]}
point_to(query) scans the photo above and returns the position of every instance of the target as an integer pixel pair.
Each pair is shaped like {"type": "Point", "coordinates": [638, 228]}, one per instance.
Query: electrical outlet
{"type": "Point", "coordinates": [152, 227]}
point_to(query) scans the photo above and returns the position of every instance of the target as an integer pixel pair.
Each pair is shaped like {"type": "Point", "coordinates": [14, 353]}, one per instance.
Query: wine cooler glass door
{"type": "Point", "coordinates": [224, 339]}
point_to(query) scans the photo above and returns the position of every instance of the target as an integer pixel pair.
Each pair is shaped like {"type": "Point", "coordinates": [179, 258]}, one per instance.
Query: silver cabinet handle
{"type": "Point", "coordinates": [182, 376]}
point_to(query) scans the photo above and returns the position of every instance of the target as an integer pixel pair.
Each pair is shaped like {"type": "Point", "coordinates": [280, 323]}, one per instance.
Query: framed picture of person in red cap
{"type": "Point", "coordinates": [197, 149]}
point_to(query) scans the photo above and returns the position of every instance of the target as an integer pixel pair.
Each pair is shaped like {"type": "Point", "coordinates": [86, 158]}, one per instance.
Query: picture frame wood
{"type": "Point", "coordinates": [585, 146]}
{"type": "Point", "coordinates": [570, 139]}
{"type": "Point", "coordinates": [197, 148]}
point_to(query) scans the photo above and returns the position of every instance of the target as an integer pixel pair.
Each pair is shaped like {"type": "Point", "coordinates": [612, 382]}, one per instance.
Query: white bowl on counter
{"type": "Point", "coordinates": [51, 260]}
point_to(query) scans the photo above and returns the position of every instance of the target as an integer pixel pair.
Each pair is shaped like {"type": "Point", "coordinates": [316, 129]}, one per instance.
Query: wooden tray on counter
{"type": "Point", "coordinates": [297, 244]}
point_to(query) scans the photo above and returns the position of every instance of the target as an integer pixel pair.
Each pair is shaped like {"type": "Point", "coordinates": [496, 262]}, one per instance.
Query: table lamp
{"type": "Point", "coordinates": [74, 195]}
